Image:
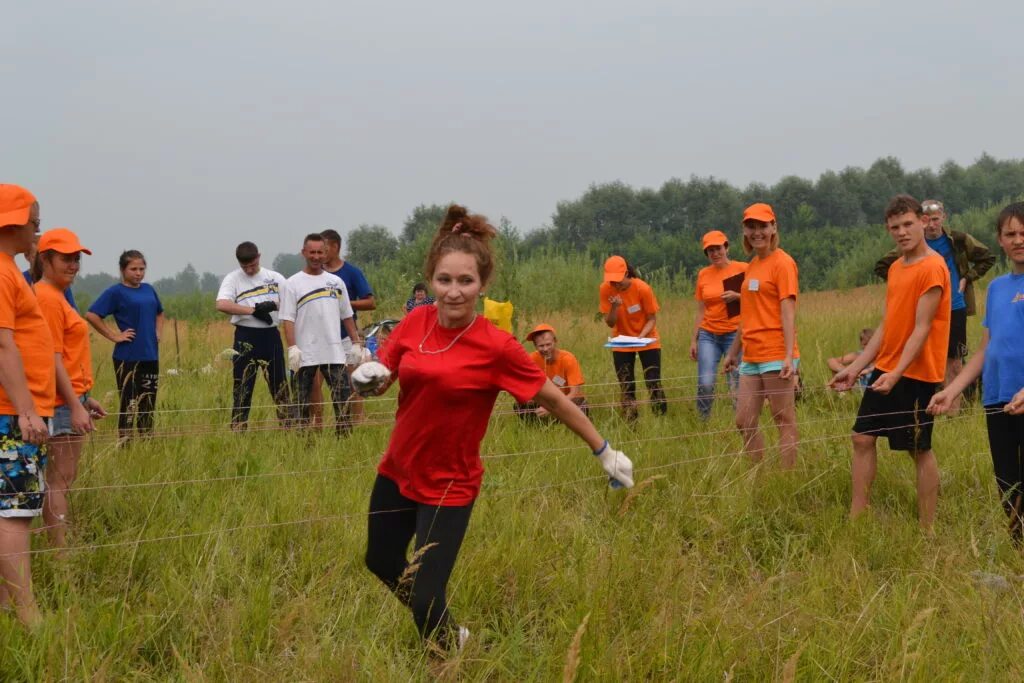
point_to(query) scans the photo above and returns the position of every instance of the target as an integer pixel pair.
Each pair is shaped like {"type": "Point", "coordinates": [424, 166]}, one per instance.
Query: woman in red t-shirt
{"type": "Point", "coordinates": [451, 364]}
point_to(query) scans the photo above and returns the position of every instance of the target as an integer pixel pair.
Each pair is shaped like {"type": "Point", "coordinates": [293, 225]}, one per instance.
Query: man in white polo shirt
{"type": "Point", "coordinates": [251, 296]}
{"type": "Point", "coordinates": [314, 307]}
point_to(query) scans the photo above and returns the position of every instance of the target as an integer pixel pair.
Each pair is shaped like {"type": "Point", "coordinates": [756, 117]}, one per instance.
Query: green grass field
{"type": "Point", "coordinates": [211, 556]}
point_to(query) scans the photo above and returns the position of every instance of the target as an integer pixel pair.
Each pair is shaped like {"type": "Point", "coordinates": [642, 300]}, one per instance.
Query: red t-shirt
{"type": "Point", "coordinates": [445, 401]}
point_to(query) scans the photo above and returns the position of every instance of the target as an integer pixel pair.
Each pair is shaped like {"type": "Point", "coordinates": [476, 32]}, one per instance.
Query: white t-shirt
{"type": "Point", "coordinates": [244, 290]}
{"type": "Point", "coordinates": [317, 304]}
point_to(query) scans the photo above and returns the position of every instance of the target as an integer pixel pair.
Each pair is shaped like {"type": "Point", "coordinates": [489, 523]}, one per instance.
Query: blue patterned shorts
{"type": "Point", "coordinates": [21, 472]}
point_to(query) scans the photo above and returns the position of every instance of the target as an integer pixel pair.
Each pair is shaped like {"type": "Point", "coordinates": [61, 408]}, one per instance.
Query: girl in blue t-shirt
{"type": "Point", "coordinates": [1001, 365]}
{"type": "Point", "coordinates": [140, 317]}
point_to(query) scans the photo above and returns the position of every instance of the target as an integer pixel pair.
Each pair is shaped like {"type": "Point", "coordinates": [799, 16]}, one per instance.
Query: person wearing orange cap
{"type": "Point", "coordinates": [27, 388]}
{"type": "Point", "coordinates": [630, 308]}
{"type": "Point", "coordinates": [57, 261]}
{"type": "Point", "coordinates": [767, 338]}
{"type": "Point", "coordinates": [560, 366]}
{"type": "Point", "coordinates": [718, 296]}
{"type": "Point", "coordinates": [30, 258]}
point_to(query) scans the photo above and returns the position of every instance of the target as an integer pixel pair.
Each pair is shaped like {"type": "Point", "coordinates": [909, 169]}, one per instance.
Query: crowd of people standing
{"type": "Point", "coordinates": [444, 354]}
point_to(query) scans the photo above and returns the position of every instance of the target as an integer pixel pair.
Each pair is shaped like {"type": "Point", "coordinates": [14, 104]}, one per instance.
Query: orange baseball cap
{"type": "Point", "coordinates": [543, 327]}
{"type": "Point", "coordinates": [715, 238]}
{"type": "Point", "coordinates": [62, 241]}
{"type": "Point", "coordinates": [15, 205]}
{"type": "Point", "coordinates": [759, 212]}
{"type": "Point", "coordinates": [615, 269]}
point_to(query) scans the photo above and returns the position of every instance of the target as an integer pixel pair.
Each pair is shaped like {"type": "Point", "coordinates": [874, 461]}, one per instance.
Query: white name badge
{"type": "Point", "coordinates": [635, 308]}
{"type": "Point", "coordinates": [558, 381]}
{"type": "Point", "coordinates": [753, 285]}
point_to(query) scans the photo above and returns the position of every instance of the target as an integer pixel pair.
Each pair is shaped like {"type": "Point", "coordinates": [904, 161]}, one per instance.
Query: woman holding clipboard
{"type": "Point", "coordinates": [718, 311]}
{"type": "Point", "coordinates": [631, 309]}
{"type": "Point", "coordinates": [767, 336]}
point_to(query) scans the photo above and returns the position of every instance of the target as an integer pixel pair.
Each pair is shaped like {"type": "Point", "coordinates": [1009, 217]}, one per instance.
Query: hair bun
{"type": "Point", "coordinates": [458, 220]}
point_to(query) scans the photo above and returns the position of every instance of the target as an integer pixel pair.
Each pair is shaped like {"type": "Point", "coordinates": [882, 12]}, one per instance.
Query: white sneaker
{"type": "Point", "coordinates": [463, 638]}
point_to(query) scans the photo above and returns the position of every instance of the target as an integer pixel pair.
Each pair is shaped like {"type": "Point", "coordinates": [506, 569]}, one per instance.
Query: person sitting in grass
{"type": "Point", "coordinates": [560, 366]}
{"type": "Point", "coordinates": [909, 351]}
{"type": "Point", "coordinates": [1000, 363]}
{"type": "Point", "coordinates": [839, 363]}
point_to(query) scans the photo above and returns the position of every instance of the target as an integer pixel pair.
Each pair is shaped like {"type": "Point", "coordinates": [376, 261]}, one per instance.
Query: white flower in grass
{"type": "Point", "coordinates": [173, 372]}
{"type": "Point", "coordinates": [228, 353]}
{"type": "Point", "coordinates": [206, 369]}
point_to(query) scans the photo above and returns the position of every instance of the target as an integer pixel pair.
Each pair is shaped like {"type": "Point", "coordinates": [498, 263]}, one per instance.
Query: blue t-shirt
{"type": "Point", "coordinates": [944, 246]}
{"type": "Point", "coordinates": [133, 308]}
{"type": "Point", "coordinates": [67, 292]}
{"type": "Point", "coordinates": [1003, 373]}
{"type": "Point", "coordinates": [357, 285]}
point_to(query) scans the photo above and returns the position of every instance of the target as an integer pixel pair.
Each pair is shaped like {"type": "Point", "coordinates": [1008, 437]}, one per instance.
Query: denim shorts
{"type": "Point", "coordinates": [21, 472]}
{"type": "Point", "coordinates": [60, 425]}
{"type": "Point", "coordinates": [767, 366]}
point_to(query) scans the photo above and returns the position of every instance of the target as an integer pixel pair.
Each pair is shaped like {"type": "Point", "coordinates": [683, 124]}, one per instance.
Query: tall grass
{"type": "Point", "coordinates": [719, 571]}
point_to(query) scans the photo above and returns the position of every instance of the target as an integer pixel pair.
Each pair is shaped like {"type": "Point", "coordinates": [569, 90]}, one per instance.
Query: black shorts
{"type": "Point", "coordinates": [899, 415]}
{"type": "Point", "coordinates": [958, 335]}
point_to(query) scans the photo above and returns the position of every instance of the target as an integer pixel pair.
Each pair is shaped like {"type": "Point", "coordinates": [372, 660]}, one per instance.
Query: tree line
{"type": "Point", "coordinates": [832, 226]}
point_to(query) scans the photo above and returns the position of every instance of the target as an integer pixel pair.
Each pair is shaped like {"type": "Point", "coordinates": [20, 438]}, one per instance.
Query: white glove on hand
{"type": "Point", "coordinates": [356, 355]}
{"type": "Point", "coordinates": [369, 377]}
{"type": "Point", "coordinates": [617, 465]}
{"type": "Point", "coordinates": [294, 358]}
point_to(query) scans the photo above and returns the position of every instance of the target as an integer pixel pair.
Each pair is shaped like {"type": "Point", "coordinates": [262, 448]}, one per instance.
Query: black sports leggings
{"type": "Point", "coordinates": [1006, 441]}
{"type": "Point", "coordinates": [137, 381]}
{"type": "Point", "coordinates": [393, 521]}
{"type": "Point", "coordinates": [650, 361]}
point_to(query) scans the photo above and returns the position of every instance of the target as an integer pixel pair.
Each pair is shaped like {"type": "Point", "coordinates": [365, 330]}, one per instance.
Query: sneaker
{"type": "Point", "coordinates": [463, 638]}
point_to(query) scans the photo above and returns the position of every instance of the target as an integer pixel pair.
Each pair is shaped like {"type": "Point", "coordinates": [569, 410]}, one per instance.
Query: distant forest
{"type": "Point", "coordinates": [832, 226]}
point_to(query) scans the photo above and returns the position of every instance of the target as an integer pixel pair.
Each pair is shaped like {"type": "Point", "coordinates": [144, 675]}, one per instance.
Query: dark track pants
{"type": "Point", "coordinates": [393, 522]}
{"type": "Point", "coordinates": [625, 369]}
{"type": "Point", "coordinates": [257, 349]}
{"type": "Point", "coordinates": [337, 380]}
{"type": "Point", "coordinates": [1006, 441]}
{"type": "Point", "coordinates": [137, 381]}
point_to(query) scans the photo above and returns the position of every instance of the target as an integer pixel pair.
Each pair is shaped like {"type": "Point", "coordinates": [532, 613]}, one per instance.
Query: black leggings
{"type": "Point", "coordinates": [257, 349]}
{"type": "Point", "coordinates": [625, 369]}
{"type": "Point", "coordinates": [137, 381]}
{"type": "Point", "coordinates": [337, 380]}
{"type": "Point", "coordinates": [1006, 441]}
{"type": "Point", "coordinates": [421, 589]}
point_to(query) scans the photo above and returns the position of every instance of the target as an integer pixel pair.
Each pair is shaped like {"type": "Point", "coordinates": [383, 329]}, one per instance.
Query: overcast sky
{"type": "Point", "coordinates": [180, 128]}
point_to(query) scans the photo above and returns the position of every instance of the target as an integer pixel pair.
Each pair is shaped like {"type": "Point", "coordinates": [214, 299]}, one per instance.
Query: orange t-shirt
{"type": "Point", "coordinates": [70, 337]}
{"type": "Point", "coordinates": [905, 286]}
{"type": "Point", "coordinates": [564, 372]}
{"type": "Point", "coordinates": [638, 302]}
{"type": "Point", "coordinates": [768, 281]}
{"type": "Point", "coordinates": [19, 312]}
{"type": "Point", "coordinates": [709, 290]}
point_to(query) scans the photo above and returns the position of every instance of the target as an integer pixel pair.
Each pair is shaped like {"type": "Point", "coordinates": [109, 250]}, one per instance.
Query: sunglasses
{"type": "Point", "coordinates": [932, 207]}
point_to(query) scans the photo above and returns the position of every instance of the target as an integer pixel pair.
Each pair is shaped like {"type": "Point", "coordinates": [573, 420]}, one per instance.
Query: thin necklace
{"type": "Point", "coordinates": [452, 343]}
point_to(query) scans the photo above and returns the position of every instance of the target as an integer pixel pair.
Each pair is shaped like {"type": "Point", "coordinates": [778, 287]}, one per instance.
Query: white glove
{"type": "Point", "coordinates": [356, 354]}
{"type": "Point", "coordinates": [294, 358]}
{"type": "Point", "coordinates": [369, 377]}
{"type": "Point", "coordinates": [617, 465]}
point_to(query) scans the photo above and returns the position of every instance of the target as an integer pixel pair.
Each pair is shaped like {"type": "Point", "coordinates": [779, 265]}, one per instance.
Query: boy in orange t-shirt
{"type": "Point", "coordinates": [909, 351]}
{"type": "Point", "coordinates": [26, 398]}
{"type": "Point", "coordinates": [631, 309]}
{"type": "Point", "coordinates": [560, 366]}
